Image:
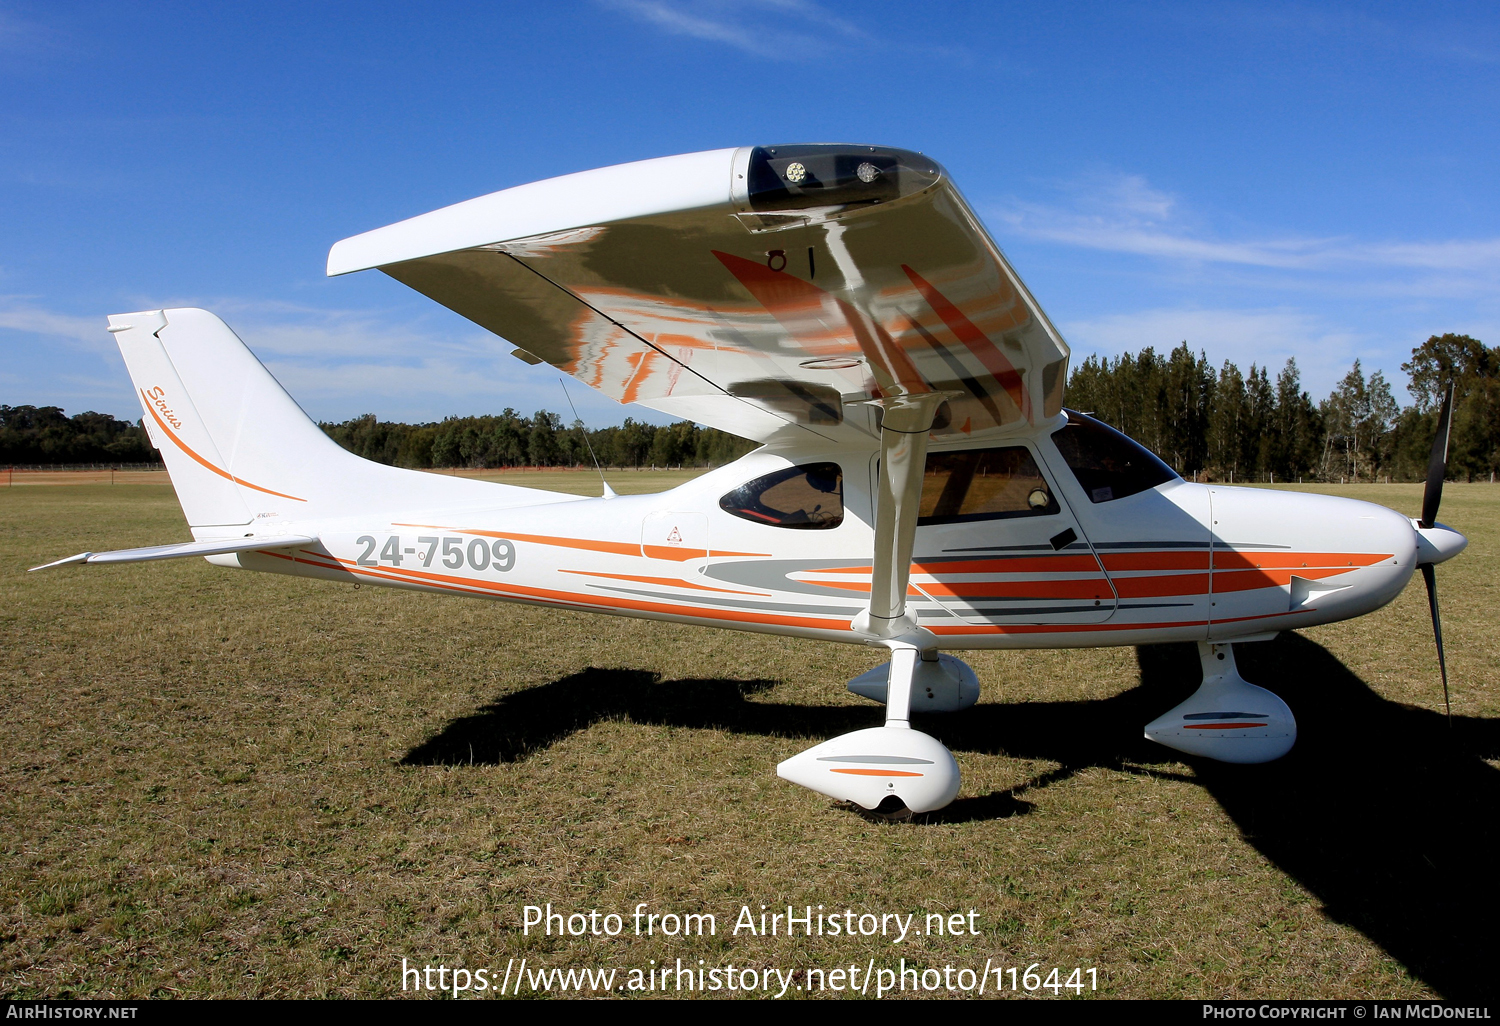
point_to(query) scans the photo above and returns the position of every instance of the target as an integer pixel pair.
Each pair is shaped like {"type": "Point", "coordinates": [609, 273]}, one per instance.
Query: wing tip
{"type": "Point", "coordinates": [82, 557]}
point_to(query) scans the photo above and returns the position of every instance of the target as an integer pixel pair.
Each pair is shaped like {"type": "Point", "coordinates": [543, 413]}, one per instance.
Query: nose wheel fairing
{"type": "Point", "coordinates": [1227, 718]}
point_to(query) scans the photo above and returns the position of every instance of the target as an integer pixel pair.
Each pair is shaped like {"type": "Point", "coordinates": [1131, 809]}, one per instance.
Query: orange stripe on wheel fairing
{"type": "Point", "coordinates": [876, 773]}
{"type": "Point", "coordinates": [226, 475]}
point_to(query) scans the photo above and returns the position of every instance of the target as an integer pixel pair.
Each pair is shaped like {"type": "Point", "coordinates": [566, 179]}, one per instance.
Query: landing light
{"type": "Point", "coordinates": [867, 172]}
{"type": "Point", "coordinates": [796, 173]}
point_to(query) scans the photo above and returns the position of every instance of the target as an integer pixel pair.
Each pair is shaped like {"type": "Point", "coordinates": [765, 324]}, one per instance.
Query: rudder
{"type": "Point", "coordinates": [208, 490]}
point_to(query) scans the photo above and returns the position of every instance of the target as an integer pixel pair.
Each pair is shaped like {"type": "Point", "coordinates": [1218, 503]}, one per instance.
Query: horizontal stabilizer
{"type": "Point", "coordinates": [180, 549]}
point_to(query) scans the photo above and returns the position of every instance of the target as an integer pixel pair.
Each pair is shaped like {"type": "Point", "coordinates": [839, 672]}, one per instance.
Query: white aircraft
{"type": "Point", "coordinates": [919, 487]}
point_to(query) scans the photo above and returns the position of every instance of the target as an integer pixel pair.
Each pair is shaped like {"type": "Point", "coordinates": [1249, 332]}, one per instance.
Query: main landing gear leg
{"type": "Point", "coordinates": [1227, 718]}
{"type": "Point", "coordinates": [892, 770]}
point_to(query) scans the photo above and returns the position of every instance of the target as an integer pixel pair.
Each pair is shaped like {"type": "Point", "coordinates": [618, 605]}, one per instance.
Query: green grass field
{"type": "Point", "coordinates": [224, 784]}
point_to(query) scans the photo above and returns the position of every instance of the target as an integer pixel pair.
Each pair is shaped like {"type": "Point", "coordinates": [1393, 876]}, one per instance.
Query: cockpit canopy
{"type": "Point", "coordinates": [1108, 464]}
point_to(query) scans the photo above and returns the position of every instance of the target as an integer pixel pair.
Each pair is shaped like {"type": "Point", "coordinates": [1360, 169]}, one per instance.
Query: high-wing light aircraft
{"type": "Point", "coordinates": [920, 485]}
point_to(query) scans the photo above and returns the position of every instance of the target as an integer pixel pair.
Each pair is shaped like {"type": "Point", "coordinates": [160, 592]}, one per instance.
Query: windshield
{"type": "Point", "coordinates": [1106, 463]}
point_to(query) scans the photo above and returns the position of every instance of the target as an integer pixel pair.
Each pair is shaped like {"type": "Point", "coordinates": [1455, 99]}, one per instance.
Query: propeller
{"type": "Point", "coordinates": [1432, 495]}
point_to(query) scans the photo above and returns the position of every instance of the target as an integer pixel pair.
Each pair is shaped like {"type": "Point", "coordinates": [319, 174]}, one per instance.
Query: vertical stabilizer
{"type": "Point", "coordinates": [207, 489]}
{"type": "Point", "coordinates": [239, 448]}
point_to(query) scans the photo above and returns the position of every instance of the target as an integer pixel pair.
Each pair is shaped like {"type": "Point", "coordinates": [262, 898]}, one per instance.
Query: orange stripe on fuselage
{"type": "Point", "coordinates": [1016, 565]}
{"type": "Point", "coordinates": [1089, 628]}
{"type": "Point", "coordinates": [673, 552]}
{"type": "Point", "coordinates": [593, 545]}
{"type": "Point", "coordinates": [474, 586]}
{"type": "Point", "coordinates": [1127, 561]}
{"type": "Point", "coordinates": [670, 582]}
{"type": "Point", "coordinates": [1162, 586]}
{"type": "Point", "coordinates": [618, 548]}
{"type": "Point", "coordinates": [1094, 588]}
{"type": "Point", "coordinates": [1230, 559]}
{"type": "Point", "coordinates": [862, 587]}
{"type": "Point", "coordinates": [1250, 580]}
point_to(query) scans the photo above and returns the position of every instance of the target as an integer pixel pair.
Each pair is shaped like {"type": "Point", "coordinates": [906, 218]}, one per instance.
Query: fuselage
{"type": "Point", "coordinates": [1078, 567]}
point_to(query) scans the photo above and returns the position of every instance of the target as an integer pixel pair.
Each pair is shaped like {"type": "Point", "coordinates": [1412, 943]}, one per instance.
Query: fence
{"type": "Point", "coordinates": [83, 473]}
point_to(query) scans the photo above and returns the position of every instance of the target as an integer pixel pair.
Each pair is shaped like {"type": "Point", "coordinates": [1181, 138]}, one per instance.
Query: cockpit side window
{"type": "Point", "coordinates": [1106, 463]}
{"type": "Point", "coordinates": [983, 484]}
{"type": "Point", "coordinates": [810, 497]}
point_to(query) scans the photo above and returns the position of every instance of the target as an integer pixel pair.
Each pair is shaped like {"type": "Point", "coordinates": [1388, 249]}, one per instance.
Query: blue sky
{"type": "Point", "coordinates": [1260, 180]}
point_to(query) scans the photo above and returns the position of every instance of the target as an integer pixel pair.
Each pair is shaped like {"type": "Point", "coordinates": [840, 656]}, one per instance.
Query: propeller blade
{"type": "Point", "coordinates": [1429, 576]}
{"type": "Point", "coordinates": [1437, 464]}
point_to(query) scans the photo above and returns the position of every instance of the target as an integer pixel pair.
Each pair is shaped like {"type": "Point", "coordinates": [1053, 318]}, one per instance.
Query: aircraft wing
{"type": "Point", "coordinates": [760, 290]}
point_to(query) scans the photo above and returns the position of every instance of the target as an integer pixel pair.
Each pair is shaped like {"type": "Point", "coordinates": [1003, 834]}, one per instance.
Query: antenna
{"type": "Point", "coordinates": [609, 493]}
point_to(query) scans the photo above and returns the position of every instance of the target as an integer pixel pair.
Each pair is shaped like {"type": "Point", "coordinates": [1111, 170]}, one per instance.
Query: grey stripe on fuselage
{"type": "Point", "coordinates": [772, 573]}
{"type": "Point", "coordinates": [778, 607]}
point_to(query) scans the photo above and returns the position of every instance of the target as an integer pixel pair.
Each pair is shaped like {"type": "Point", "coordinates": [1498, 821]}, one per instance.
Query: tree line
{"type": "Point", "coordinates": [45, 434]}
{"type": "Point", "coordinates": [1217, 424]}
{"type": "Point", "coordinates": [541, 440]}
{"type": "Point", "coordinates": [1226, 424]}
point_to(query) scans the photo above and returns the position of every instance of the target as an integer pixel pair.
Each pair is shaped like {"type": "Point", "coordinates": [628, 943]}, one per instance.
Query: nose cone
{"type": "Point", "coordinates": [1306, 522]}
{"type": "Point", "coordinates": [1437, 543]}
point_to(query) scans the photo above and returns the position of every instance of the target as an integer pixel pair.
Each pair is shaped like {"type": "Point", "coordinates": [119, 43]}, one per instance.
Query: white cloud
{"type": "Point", "coordinates": [17, 314]}
{"type": "Point", "coordinates": [775, 29]}
{"type": "Point", "coordinates": [336, 363]}
{"type": "Point", "coordinates": [1125, 214]}
{"type": "Point", "coordinates": [16, 32]}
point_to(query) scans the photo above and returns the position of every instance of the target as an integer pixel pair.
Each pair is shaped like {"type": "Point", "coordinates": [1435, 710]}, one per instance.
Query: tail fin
{"type": "Point", "coordinates": [239, 449]}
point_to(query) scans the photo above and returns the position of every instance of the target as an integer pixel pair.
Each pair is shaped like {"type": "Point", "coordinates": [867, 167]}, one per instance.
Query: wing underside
{"type": "Point", "coordinates": [763, 290]}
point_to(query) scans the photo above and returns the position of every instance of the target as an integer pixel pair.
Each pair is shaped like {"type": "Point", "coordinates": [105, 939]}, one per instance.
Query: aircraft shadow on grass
{"type": "Point", "coordinates": [1381, 811]}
